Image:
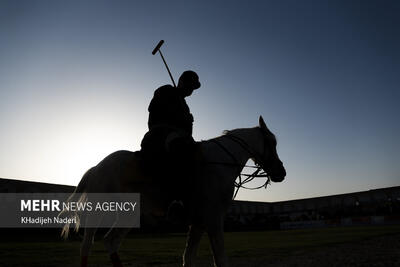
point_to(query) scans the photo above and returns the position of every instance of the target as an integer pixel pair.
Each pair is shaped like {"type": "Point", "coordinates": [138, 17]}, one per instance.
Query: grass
{"type": "Point", "coordinates": [146, 249]}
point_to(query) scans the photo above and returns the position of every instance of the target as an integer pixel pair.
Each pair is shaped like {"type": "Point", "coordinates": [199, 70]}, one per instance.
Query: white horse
{"type": "Point", "coordinates": [223, 158]}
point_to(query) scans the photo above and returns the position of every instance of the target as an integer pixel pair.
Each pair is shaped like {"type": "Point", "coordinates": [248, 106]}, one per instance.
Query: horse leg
{"type": "Point", "coordinates": [216, 235]}
{"type": "Point", "coordinates": [193, 241]}
{"type": "Point", "coordinates": [112, 241]}
{"type": "Point", "coordinates": [88, 239]}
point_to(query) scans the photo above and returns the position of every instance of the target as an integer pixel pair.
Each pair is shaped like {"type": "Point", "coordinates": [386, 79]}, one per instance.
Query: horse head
{"type": "Point", "coordinates": [269, 159]}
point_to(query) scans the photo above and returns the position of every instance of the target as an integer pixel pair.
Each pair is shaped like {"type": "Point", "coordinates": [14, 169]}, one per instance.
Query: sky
{"type": "Point", "coordinates": [76, 78]}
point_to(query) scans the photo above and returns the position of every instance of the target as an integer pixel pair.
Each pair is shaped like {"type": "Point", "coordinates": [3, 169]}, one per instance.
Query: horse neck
{"type": "Point", "coordinates": [251, 138]}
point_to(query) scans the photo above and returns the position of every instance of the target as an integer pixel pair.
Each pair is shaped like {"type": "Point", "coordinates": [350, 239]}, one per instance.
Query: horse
{"type": "Point", "coordinates": [223, 159]}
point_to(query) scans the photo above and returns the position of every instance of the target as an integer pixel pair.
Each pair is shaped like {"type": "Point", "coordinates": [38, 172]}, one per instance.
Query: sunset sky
{"type": "Point", "coordinates": [76, 78]}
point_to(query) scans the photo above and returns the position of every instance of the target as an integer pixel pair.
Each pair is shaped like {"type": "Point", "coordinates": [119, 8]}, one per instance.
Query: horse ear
{"type": "Point", "coordinates": [262, 123]}
{"type": "Point", "coordinates": [263, 126]}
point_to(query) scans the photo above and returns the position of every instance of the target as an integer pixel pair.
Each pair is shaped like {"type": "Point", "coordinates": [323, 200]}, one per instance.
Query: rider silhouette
{"type": "Point", "coordinates": [169, 142]}
{"type": "Point", "coordinates": [168, 106]}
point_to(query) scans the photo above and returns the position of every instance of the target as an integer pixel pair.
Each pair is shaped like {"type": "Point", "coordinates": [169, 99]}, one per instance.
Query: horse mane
{"type": "Point", "coordinates": [224, 132]}
{"type": "Point", "coordinates": [232, 132]}
{"type": "Point", "coordinates": [227, 132]}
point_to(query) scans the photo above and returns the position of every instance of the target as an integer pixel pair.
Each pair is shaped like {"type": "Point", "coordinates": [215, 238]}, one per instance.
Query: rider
{"type": "Point", "coordinates": [170, 127]}
{"type": "Point", "coordinates": [168, 106]}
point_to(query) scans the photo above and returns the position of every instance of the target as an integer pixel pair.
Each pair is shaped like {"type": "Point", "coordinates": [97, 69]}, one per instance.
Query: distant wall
{"type": "Point", "coordinates": [18, 186]}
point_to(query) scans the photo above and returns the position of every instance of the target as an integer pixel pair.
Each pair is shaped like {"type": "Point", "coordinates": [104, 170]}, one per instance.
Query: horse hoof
{"type": "Point", "coordinates": [84, 261]}
{"type": "Point", "coordinates": [116, 262]}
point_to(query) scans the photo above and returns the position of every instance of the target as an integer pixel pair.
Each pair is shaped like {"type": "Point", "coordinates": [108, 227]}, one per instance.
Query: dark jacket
{"type": "Point", "coordinates": [169, 108]}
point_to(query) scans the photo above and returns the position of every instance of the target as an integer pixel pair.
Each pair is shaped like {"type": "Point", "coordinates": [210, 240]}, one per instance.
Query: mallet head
{"type": "Point", "coordinates": [155, 50]}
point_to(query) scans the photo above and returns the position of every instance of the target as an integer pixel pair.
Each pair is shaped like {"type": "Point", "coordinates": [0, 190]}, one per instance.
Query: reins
{"type": "Point", "coordinates": [258, 173]}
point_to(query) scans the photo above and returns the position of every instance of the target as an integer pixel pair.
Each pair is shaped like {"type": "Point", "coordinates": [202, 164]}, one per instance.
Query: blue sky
{"type": "Point", "coordinates": [76, 78]}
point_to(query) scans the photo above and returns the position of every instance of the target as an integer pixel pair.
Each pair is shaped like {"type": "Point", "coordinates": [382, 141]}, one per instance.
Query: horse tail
{"type": "Point", "coordinates": [79, 196]}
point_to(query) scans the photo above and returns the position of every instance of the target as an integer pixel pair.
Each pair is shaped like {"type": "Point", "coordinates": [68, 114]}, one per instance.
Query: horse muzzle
{"type": "Point", "coordinates": [278, 175]}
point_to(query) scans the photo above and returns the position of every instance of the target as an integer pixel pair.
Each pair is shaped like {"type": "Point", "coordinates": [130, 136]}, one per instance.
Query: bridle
{"type": "Point", "coordinates": [259, 164]}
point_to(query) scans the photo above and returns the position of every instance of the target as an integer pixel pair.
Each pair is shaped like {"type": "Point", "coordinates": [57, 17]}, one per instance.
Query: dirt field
{"type": "Point", "coordinates": [350, 246]}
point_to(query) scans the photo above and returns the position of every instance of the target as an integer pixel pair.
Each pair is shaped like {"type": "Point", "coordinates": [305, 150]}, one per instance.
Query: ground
{"type": "Point", "coordinates": [344, 246]}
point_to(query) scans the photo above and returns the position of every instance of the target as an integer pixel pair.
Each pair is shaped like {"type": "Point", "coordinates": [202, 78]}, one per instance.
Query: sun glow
{"type": "Point", "coordinates": [59, 145]}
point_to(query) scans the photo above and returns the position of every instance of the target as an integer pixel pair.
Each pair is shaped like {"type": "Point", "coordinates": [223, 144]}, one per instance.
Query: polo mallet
{"type": "Point", "coordinates": [157, 49]}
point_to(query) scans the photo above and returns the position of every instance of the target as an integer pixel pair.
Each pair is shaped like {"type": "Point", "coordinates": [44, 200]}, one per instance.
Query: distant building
{"type": "Point", "coordinates": [367, 207]}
